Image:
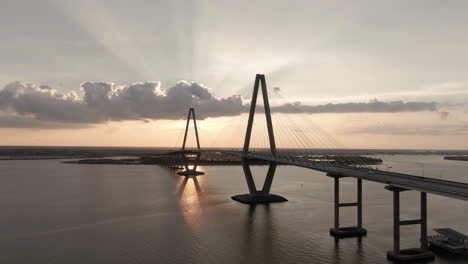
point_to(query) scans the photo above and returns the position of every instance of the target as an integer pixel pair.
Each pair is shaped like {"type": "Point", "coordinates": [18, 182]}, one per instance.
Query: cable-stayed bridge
{"type": "Point", "coordinates": [309, 153]}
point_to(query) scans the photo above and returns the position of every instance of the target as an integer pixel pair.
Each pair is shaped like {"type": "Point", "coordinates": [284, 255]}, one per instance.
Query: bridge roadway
{"type": "Point", "coordinates": [445, 188]}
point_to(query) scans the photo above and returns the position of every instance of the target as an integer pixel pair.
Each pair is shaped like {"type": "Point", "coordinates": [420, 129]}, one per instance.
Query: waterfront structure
{"type": "Point", "coordinates": [395, 182]}
{"type": "Point", "coordinates": [449, 241]}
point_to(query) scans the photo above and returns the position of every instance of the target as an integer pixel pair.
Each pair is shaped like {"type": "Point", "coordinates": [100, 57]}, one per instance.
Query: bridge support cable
{"type": "Point", "coordinates": [231, 135]}
{"type": "Point", "coordinates": [256, 196]}
{"type": "Point", "coordinates": [308, 146]}
{"type": "Point", "coordinates": [178, 142]}
{"type": "Point", "coordinates": [299, 144]}
{"type": "Point", "coordinates": [310, 143]}
{"type": "Point", "coordinates": [412, 254]}
{"type": "Point", "coordinates": [331, 145]}
{"type": "Point", "coordinates": [334, 145]}
{"type": "Point", "coordinates": [305, 144]}
{"type": "Point", "coordinates": [353, 231]}
{"type": "Point", "coordinates": [292, 144]}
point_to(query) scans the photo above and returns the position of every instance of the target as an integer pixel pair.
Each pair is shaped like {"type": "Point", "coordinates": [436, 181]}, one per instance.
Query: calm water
{"type": "Point", "coordinates": [68, 213]}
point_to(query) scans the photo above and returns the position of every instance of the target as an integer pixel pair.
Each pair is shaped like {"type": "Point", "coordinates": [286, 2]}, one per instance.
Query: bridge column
{"type": "Point", "coordinates": [258, 196]}
{"type": "Point", "coordinates": [248, 177]}
{"type": "Point", "coordinates": [424, 244]}
{"type": "Point", "coordinates": [188, 157]}
{"type": "Point", "coordinates": [359, 206]}
{"type": "Point", "coordinates": [352, 231]}
{"type": "Point", "coordinates": [410, 254]}
{"type": "Point", "coordinates": [262, 196]}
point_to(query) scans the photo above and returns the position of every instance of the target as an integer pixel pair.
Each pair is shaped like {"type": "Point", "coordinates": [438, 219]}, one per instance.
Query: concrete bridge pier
{"type": "Point", "coordinates": [410, 254]}
{"type": "Point", "coordinates": [352, 231]}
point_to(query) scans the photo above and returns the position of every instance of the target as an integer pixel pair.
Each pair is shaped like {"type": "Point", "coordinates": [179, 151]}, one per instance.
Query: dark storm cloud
{"type": "Point", "coordinates": [27, 105]}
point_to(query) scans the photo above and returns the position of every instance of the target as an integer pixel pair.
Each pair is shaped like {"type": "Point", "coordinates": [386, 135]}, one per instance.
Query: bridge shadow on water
{"type": "Point", "coordinates": [340, 250]}
{"type": "Point", "coordinates": [268, 238]}
{"type": "Point", "coordinates": [260, 238]}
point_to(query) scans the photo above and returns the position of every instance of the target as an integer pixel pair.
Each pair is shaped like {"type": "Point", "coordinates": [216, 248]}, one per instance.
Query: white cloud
{"type": "Point", "coordinates": [106, 101]}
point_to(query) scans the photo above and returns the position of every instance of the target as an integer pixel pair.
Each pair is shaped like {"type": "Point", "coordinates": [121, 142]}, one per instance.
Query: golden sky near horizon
{"type": "Point", "coordinates": [355, 130]}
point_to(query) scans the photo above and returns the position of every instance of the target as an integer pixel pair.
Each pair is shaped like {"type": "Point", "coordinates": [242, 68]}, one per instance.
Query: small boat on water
{"type": "Point", "coordinates": [449, 240]}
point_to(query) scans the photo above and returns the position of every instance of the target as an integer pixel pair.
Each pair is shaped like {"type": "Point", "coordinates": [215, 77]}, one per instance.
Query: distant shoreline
{"type": "Point", "coordinates": [53, 152]}
{"type": "Point", "coordinates": [217, 158]}
{"type": "Point", "coordinates": [459, 158]}
{"type": "Point", "coordinates": [139, 161]}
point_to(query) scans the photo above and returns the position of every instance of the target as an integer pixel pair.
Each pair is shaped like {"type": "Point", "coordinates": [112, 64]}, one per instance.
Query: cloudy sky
{"type": "Point", "coordinates": [373, 74]}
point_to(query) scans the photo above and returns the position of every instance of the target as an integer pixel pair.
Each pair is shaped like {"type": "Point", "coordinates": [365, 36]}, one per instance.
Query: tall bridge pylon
{"type": "Point", "coordinates": [190, 158]}
{"type": "Point", "coordinates": [255, 195]}
{"type": "Point", "coordinates": [191, 113]}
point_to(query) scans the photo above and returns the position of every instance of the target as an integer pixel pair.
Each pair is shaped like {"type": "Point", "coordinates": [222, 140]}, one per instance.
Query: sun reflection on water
{"type": "Point", "coordinates": [190, 192]}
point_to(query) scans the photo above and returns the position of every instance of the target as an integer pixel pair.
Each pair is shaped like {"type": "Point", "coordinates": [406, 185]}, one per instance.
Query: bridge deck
{"type": "Point", "coordinates": [445, 188]}
{"type": "Point", "coordinates": [457, 190]}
